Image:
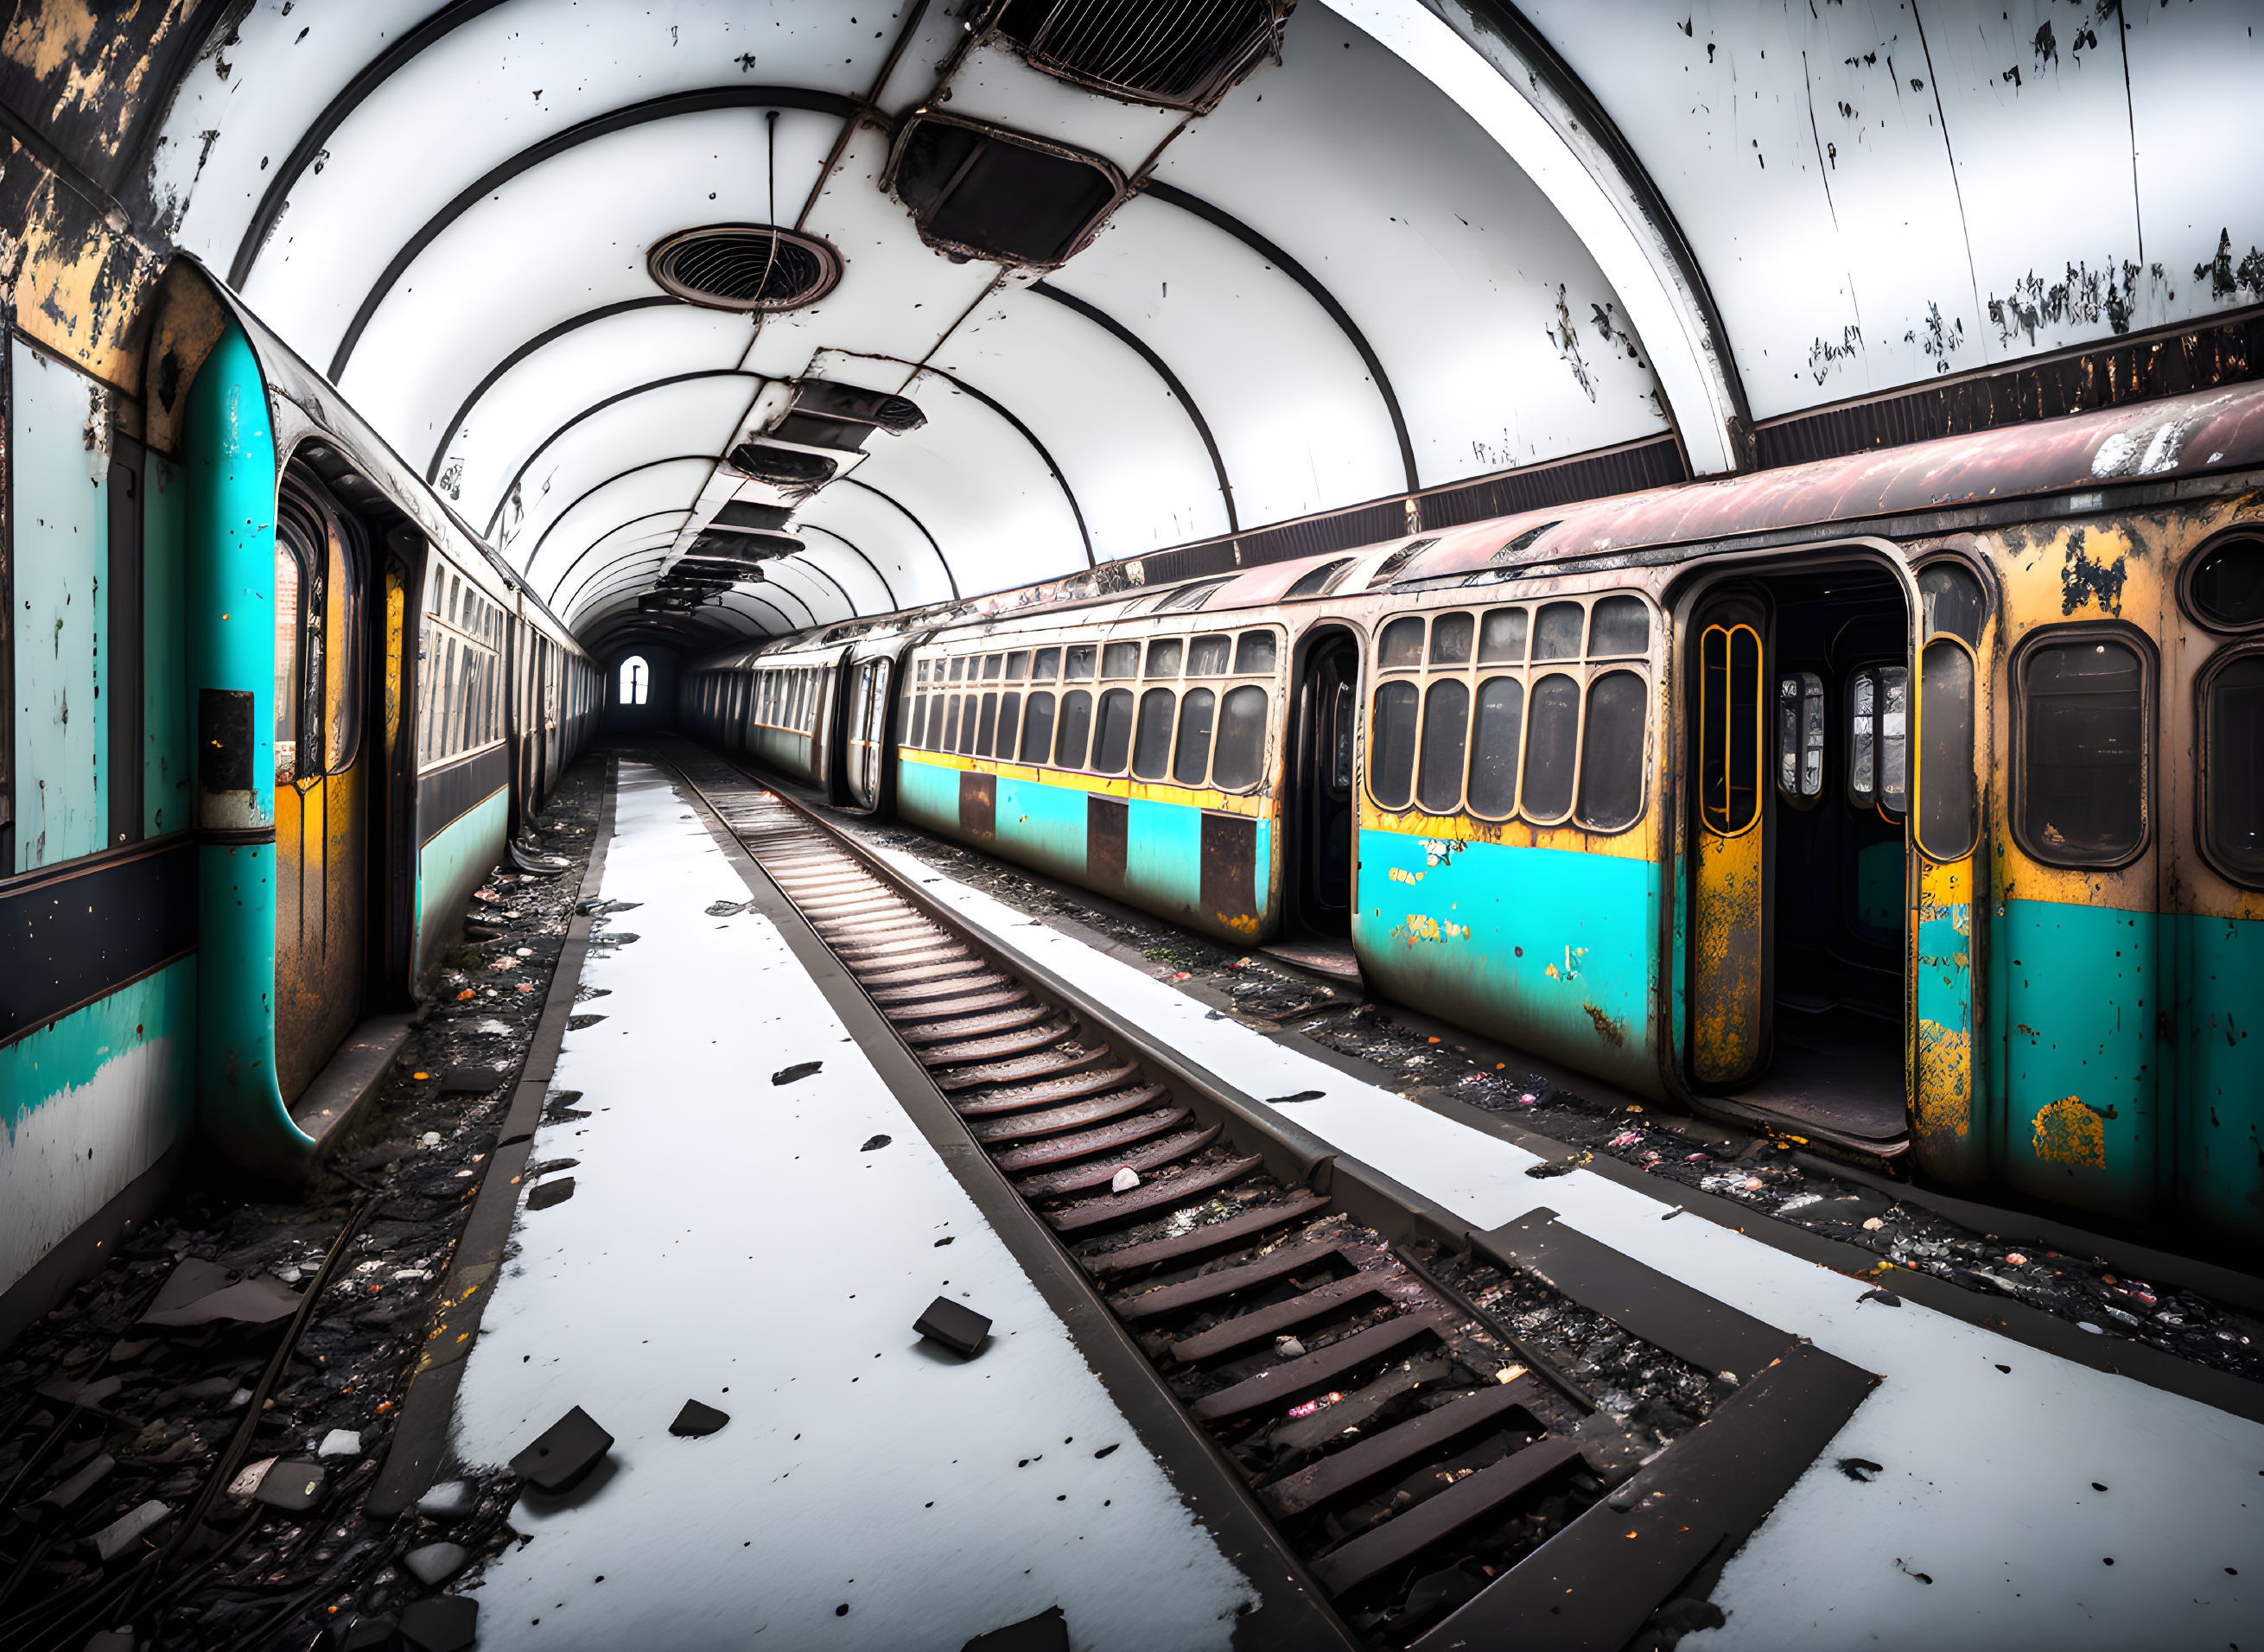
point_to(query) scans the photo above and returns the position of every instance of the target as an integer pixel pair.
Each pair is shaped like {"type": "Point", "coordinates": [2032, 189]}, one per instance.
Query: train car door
{"type": "Point", "coordinates": [1319, 776]}
{"type": "Point", "coordinates": [1730, 841]}
{"type": "Point", "coordinates": [869, 704]}
{"type": "Point", "coordinates": [322, 654]}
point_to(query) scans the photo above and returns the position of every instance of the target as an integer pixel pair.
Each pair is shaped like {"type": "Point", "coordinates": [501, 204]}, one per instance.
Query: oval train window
{"type": "Point", "coordinates": [1947, 812]}
{"type": "Point", "coordinates": [2226, 587]}
{"type": "Point", "coordinates": [2232, 774]}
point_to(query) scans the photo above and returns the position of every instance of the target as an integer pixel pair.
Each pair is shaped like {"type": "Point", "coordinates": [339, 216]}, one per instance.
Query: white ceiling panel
{"type": "Point", "coordinates": [880, 528]}
{"type": "Point", "coordinates": [2197, 127]}
{"type": "Point", "coordinates": [549, 549]}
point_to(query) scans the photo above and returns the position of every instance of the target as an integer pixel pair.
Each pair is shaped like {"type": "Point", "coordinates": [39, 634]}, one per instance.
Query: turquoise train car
{"type": "Point", "coordinates": [275, 714]}
{"type": "Point", "coordinates": [1910, 803]}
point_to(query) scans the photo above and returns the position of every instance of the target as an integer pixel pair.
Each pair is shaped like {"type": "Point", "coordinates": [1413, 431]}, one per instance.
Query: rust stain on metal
{"type": "Point", "coordinates": [2068, 1133]}
{"type": "Point", "coordinates": [1610, 1028]}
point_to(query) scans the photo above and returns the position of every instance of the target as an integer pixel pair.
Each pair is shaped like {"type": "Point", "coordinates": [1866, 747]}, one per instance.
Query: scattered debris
{"type": "Point", "coordinates": [293, 1486]}
{"type": "Point", "coordinates": [436, 1564]}
{"type": "Point", "coordinates": [1884, 1299]}
{"type": "Point", "coordinates": [1860, 1470]}
{"type": "Point", "coordinates": [696, 1421]}
{"type": "Point", "coordinates": [123, 1533]}
{"type": "Point", "coordinates": [874, 1144]}
{"type": "Point", "coordinates": [447, 1623]}
{"type": "Point", "coordinates": [450, 1500]}
{"type": "Point", "coordinates": [339, 1442]}
{"type": "Point", "coordinates": [199, 1291]}
{"type": "Point", "coordinates": [1124, 1181]}
{"type": "Point", "coordinates": [953, 1324]}
{"type": "Point", "coordinates": [799, 1071]}
{"type": "Point", "coordinates": [564, 1454]}
{"type": "Point", "coordinates": [1047, 1632]}
{"type": "Point", "coordinates": [556, 1191]}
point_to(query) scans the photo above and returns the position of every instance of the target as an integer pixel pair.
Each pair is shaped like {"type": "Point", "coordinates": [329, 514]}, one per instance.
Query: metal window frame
{"type": "Point", "coordinates": [2204, 679]}
{"type": "Point", "coordinates": [2150, 689]}
{"type": "Point", "coordinates": [2190, 565]}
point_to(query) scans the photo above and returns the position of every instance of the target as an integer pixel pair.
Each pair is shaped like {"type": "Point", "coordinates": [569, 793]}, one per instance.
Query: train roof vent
{"type": "Point", "coordinates": [750, 515]}
{"type": "Point", "coordinates": [1188, 597]}
{"type": "Point", "coordinates": [786, 467]}
{"type": "Point", "coordinates": [1315, 581]}
{"type": "Point", "coordinates": [977, 191]}
{"type": "Point", "coordinates": [1388, 569]}
{"type": "Point", "coordinates": [1183, 53]}
{"type": "Point", "coordinates": [745, 267]}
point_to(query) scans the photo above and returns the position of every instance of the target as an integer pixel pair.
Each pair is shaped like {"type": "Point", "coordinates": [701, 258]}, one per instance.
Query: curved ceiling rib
{"type": "Point", "coordinates": [1132, 341]}
{"type": "Point", "coordinates": [1220, 218]}
{"type": "Point", "coordinates": [887, 590]}
{"type": "Point", "coordinates": [653, 555]}
{"type": "Point", "coordinates": [526, 568]}
{"type": "Point", "coordinates": [1027, 435]}
{"type": "Point", "coordinates": [674, 104]}
{"type": "Point", "coordinates": [804, 564]}
{"type": "Point", "coordinates": [619, 397]}
{"type": "Point", "coordinates": [898, 504]}
{"type": "Point", "coordinates": [549, 336]}
{"type": "Point", "coordinates": [674, 511]}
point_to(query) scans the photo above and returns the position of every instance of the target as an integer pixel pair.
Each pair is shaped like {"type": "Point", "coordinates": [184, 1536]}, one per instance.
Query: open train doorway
{"type": "Point", "coordinates": [1801, 764]}
{"type": "Point", "coordinates": [1319, 806]}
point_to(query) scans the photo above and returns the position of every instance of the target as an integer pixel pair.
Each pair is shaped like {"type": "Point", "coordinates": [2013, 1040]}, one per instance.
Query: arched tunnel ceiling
{"type": "Point", "coordinates": [1431, 239]}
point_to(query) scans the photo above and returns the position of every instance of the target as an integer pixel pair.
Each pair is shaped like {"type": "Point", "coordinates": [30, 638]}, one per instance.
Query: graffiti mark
{"type": "Point", "coordinates": [2225, 280]}
{"type": "Point", "coordinates": [1566, 337]}
{"type": "Point", "coordinates": [1940, 342]}
{"type": "Point", "coordinates": [1824, 355]}
{"type": "Point", "coordinates": [2083, 296]}
{"type": "Point", "coordinates": [2068, 1133]}
{"type": "Point", "coordinates": [1438, 852]}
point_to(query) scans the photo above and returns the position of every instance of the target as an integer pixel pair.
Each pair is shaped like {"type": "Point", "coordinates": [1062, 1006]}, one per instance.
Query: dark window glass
{"type": "Point", "coordinates": [1076, 728]}
{"type": "Point", "coordinates": [1164, 656]}
{"type": "Point", "coordinates": [1945, 802]}
{"type": "Point", "coordinates": [991, 664]}
{"type": "Point", "coordinates": [1151, 749]}
{"type": "Point", "coordinates": [2084, 753]}
{"type": "Point", "coordinates": [1611, 753]}
{"type": "Point", "coordinates": [1253, 654]}
{"type": "Point", "coordinates": [1445, 731]}
{"type": "Point", "coordinates": [1080, 664]}
{"type": "Point", "coordinates": [1501, 638]}
{"type": "Point", "coordinates": [1451, 639]}
{"type": "Point", "coordinates": [1241, 756]}
{"type": "Point", "coordinates": [1894, 738]}
{"type": "Point", "coordinates": [917, 724]}
{"type": "Point", "coordinates": [1191, 758]}
{"type": "Point", "coordinates": [951, 727]}
{"type": "Point", "coordinates": [1189, 597]}
{"type": "Point", "coordinates": [1121, 659]}
{"type": "Point", "coordinates": [1494, 743]}
{"type": "Point", "coordinates": [988, 727]}
{"type": "Point", "coordinates": [1018, 664]}
{"type": "Point", "coordinates": [1209, 657]}
{"type": "Point", "coordinates": [1038, 727]}
{"type": "Point", "coordinates": [1310, 583]}
{"type": "Point", "coordinates": [1551, 745]}
{"type": "Point", "coordinates": [968, 722]}
{"type": "Point", "coordinates": [1729, 730]}
{"type": "Point", "coordinates": [1010, 724]}
{"type": "Point", "coordinates": [1392, 736]}
{"type": "Point", "coordinates": [1045, 665]}
{"type": "Point", "coordinates": [957, 666]}
{"type": "Point", "coordinates": [1114, 743]}
{"type": "Point", "coordinates": [2233, 807]}
{"type": "Point", "coordinates": [1557, 634]}
{"type": "Point", "coordinates": [2228, 585]}
{"type": "Point", "coordinates": [1402, 646]}
{"type": "Point", "coordinates": [1618, 626]}
{"type": "Point", "coordinates": [1950, 600]}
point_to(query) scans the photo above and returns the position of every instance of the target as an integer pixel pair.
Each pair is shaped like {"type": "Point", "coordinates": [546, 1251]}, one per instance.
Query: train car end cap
{"type": "Point", "coordinates": [953, 1324]}
{"type": "Point", "coordinates": [565, 1452]}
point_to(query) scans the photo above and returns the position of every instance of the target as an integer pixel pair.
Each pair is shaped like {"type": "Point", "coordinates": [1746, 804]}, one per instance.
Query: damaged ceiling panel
{"type": "Point", "coordinates": [1314, 257]}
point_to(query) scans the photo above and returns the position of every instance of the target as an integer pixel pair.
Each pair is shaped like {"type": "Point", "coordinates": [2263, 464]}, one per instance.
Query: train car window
{"type": "Point", "coordinates": [1078, 664]}
{"type": "Point", "coordinates": [1552, 747]}
{"type": "Point", "coordinates": [957, 664]}
{"type": "Point", "coordinates": [455, 596]}
{"type": "Point", "coordinates": [1045, 665]}
{"type": "Point", "coordinates": [1952, 602]}
{"type": "Point", "coordinates": [1152, 745]}
{"type": "Point", "coordinates": [1164, 656]}
{"type": "Point", "coordinates": [916, 725]}
{"type": "Point", "coordinates": [2082, 783]}
{"type": "Point", "coordinates": [2226, 587]}
{"type": "Point", "coordinates": [1501, 637]}
{"type": "Point", "coordinates": [342, 658]}
{"type": "Point", "coordinates": [1800, 737]}
{"type": "Point", "coordinates": [1076, 728]}
{"type": "Point", "coordinates": [990, 665]}
{"type": "Point", "coordinates": [1401, 648]}
{"type": "Point", "coordinates": [1210, 656]}
{"type": "Point", "coordinates": [970, 718]}
{"type": "Point", "coordinates": [950, 725]}
{"type": "Point", "coordinates": [1241, 756]}
{"type": "Point", "coordinates": [1010, 725]}
{"type": "Point", "coordinates": [1451, 639]}
{"type": "Point", "coordinates": [1391, 749]}
{"type": "Point", "coordinates": [1862, 739]}
{"type": "Point", "coordinates": [1617, 627]}
{"type": "Point", "coordinates": [1189, 597]}
{"type": "Point", "coordinates": [448, 737]}
{"type": "Point", "coordinates": [919, 671]}
{"type": "Point", "coordinates": [1878, 705]}
{"type": "Point", "coordinates": [1113, 744]}
{"type": "Point", "coordinates": [1253, 654]}
{"type": "Point", "coordinates": [2232, 768]}
{"type": "Point", "coordinates": [1445, 736]}
{"type": "Point", "coordinates": [1191, 758]}
{"type": "Point", "coordinates": [1556, 635]}
{"type": "Point", "coordinates": [289, 624]}
{"type": "Point", "coordinates": [1314, 581]}
{"type": "Point", "coordinates": [1018, 665]}
{"type": "Point", "coordinates": [1894, 739]}
{"type": "Point", "coordinates": [1119, 659]}
{"type": "Point", "coordinates": [1947, 818]}
{"type": "Point", "coordinates": [1497, 734]}
{"type": "Point", "coordinates": [1611, 753]}
{"type": "Point", "coordinates": [1038, 726]}
{"type": "Point", "coordinates": [1729, 728]}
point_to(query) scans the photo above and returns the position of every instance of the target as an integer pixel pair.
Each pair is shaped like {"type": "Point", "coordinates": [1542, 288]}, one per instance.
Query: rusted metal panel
{"type": "Point", "coordinates": [1726, 1008]}
{"type": "Point", "coordinates": [1106, 820]}
{"type": "Point", "coordinates": [1230, 870]}
{"type": "Point", "coordinates": [978, 804]}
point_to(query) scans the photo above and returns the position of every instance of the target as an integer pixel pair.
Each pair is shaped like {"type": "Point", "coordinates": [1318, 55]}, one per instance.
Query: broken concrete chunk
{"type": "Point", "coordinates": [339, 1442]}
{"type": "Point", "coordinates": [127, 1530]}
{"type": "Point", "coordinates": [1047, 1632]}
{"type": "Point", "coordinates": [875, 1143]}
{"type": "Point", "coordinates": [556, 1191]}
{"type": "Point", "coordinates": [728, 908]}
{"type": "Point", "coordinates": [60, 1499]}
{"type": "Point", "coordinates": [696, 1420]}
{"type": "Point", "coordinates": [953, 1324]}
{"type": "Point", "coordinates": [66, 1392]}
{"type": "Point", "coordinates": [246, 1483]}
{"type": "Point", "coordinates": [369, 1635]}
{"type": "Point", "coordinates": [1124, 1181]}
{"type": "Point", "coordinates": [199, 1293]}
{"type": "Point", "coordinates": [447, 1623]}
{"type": "Point", "coordinates": [800, 1069]}
{"type": "Point", "coordinates": [292, 1485]}
{"type": "Point", "coordinates": [436, 1564]}
{"type": "Point", "coordinates": [450, 1500]}
{"type": "Point", "coordinates": [566, 1452]}
{"type": "Point", "coordinates": [471, 1081]}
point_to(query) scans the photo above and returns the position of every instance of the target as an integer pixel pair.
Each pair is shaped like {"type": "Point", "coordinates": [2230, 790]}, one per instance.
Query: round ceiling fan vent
{"type": "Point", "coordinates": [746, 267]}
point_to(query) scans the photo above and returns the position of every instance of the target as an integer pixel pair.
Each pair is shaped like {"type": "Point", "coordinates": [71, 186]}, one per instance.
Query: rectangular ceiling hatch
{"type": "Point", "coordinates": [977, 191]}
{"type": "Point", "coordinates": [1182, 54]}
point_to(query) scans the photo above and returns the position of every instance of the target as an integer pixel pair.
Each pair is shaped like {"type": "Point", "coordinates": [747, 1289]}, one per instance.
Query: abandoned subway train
{"type": "Point", "coordinates": [326, 711]}
{"type": "Point", "coordinates": [1911, 802]}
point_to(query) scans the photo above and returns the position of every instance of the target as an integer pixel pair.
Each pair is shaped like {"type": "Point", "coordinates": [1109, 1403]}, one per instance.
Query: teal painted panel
{"type": "Point", "coordinates": [1549, 949]}
{"type": "Point", "coordinates": [2220, 1071]}
{"type": "Point", "coordinates": [1163, 857]}
{"type": "Point", "coordinates": [928, 795]}
{"type": "Point", "coordinates": [165, 773]}
{"type": "Point", "coordinates": [59, 450]}
{"type": "Point", "coordinates": [453, 864]}
{"type": "Point", "coordinates": [2082, 994]}
{"type": "Point", "coordinates": [1042, 826]}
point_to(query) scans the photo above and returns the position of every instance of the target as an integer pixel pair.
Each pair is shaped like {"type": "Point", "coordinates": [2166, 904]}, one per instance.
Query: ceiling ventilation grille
{"type": "Point", "coordinates": [979, 190]}
{"type": "Point", "coordinates": [746, 267]}
{"type": "Point", "coordinates": [1183, 53]}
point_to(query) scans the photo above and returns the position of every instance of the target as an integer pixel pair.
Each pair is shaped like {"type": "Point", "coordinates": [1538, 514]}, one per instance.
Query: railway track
{"type": "Point", "coordinates": [1439, 1425]}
